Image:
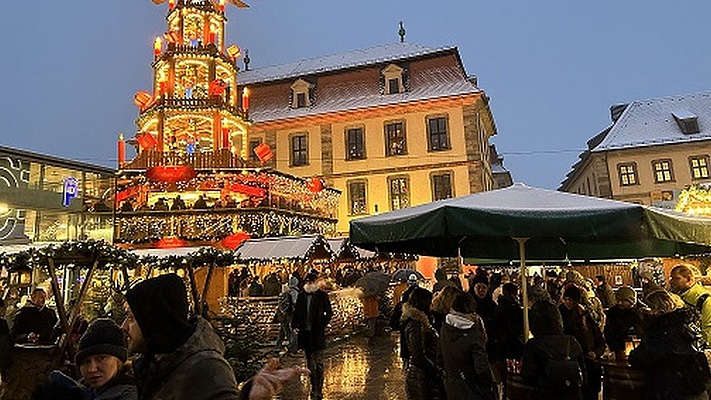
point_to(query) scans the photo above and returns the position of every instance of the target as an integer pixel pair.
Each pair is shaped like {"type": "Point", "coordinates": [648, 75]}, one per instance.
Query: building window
{"type": "Point", "coordinates": [355, 144]}
{"type": "Point", "coordinates": [662, 171]}
{"type": "Point", "coordinates": [628, 174]}
{"type": "Point", "coordinates": [299, 150]}
{"type": "Point", "coordinates": [301, 94]}
{"type": "Point", "coordinates": [393, 76]}
{"type": "Point", "coordinates": [438, 138]}
{"type": "Point", "coordinates": [399, 192]}
{"type": "Point", "coordinates": [395, 140]}
{"type": "Point", "coordinates": [442, 186]}
{"type": "Point", "coordinates": [253, 145]}
{"type": "Point", "coordinates": [356, 198]}
{"type": "Point", "coordinates": [699, 167]}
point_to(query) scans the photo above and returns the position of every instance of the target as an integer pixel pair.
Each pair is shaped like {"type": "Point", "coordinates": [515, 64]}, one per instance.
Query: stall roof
{"type": "Point", "coordinates": [179, 251]}
{"type": "Point", "coordinates": [18, 248]}
{"type": "Point", "coordinates": [342, 248]}
{"type": "Point", "coordinates": [284, 247]}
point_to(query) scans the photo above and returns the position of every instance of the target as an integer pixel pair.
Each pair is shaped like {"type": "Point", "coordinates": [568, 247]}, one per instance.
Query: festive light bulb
{"type": "Point", "coordinates": [171, 4]}
{"type": "Point", "coordinates": [222, 5]}
{"type": "Point", "coordinates": [234, 52]}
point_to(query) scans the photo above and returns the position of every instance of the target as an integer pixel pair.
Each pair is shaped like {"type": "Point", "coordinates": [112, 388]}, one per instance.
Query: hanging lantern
{"type": "Point", "coordinates": [143, 100]}
{"type": "Point", "coordinates": [234, 240]}
{"type": "Point", "coordinates": [217, 87]}
{"type": "Point", "coordinates": [315, 184]}
{"type": "Point", "coordinates": [146, 140]}
{"type": "Point", "coordinates": [172, 37]}
{"type": "Point", "coordinates": [234, 52]}
{"type": "Point", "coordinates": [170, 242]}
{"type": "Point", "coordinates": [162, 87]}
{"type": "Point", "coordinates": [157, 46]}
{"type": "Point", "coordinates": [171, 173]}
{"type": "Point", "coordinates": [263, 152]}
{"type": "Point", "coordinates": [121, 151]}
{"type": "Point", "coordinates": [245, 99]}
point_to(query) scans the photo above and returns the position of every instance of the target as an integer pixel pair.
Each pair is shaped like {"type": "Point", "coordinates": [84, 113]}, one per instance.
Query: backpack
{"type": "Point", "coordinates": [562, 377]}
{"type": "Point", "coordinates": [695, 327]}
{"type": "Point", "coordinates": [284, 307]}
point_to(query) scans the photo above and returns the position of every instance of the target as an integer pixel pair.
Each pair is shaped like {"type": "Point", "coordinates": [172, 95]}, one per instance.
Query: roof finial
{"type": "Point", "coordinates": [246, 59]}
{"type": "Point", "coordinates": [401, 32]}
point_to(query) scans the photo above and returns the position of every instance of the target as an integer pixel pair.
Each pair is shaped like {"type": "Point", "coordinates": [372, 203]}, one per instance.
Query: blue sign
{"type": "Point", "coordinates": [70, 190]}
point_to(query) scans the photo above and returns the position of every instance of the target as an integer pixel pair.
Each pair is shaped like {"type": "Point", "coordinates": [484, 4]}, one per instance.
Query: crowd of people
{"type": "Point", "coordinates": [461, 343]}
{"type": "Point", "coordinates": [456, 341]}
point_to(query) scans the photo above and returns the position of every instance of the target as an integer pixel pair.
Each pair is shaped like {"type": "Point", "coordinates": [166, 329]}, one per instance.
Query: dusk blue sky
{"type": "Point", "coordinates": [69, 69]}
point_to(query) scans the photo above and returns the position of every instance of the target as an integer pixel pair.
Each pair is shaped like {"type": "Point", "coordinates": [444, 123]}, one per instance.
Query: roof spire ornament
{"type": "Point", "coordinates": [401, 32]}
{"type": "Point", "coordinates": [246, 59]}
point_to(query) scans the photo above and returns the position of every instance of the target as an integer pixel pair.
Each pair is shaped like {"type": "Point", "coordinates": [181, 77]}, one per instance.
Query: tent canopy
{"type": "Point", "coordinates": [559, 226]}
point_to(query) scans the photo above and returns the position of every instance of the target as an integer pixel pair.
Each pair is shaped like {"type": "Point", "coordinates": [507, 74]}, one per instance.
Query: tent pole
{"type": "Point", "coordinates": [524, 284]}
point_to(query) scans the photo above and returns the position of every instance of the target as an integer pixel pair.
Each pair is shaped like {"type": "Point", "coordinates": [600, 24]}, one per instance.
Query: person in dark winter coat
{"type": "Point", "coordinates": [423, 379]}
{"type": "Point", "coordinates": [579, 323]}
{"type": "Point", "coordinates": [604, 292]}
{"type": "Point", "coordinates": [549, 343]}
{"type": "Point", "coordinates": [623, 320]}
{"type": "Point", "coordinates": [102, 352]}
{"type": "Point", "coordinates": [468, 375]}
{"type": "Point", "coordinates": [182, 358]}
{"type": "Point", "coordinates": [34, 322]}
{"type": "Point", "coordinates": [312, 314]}
{"type": "Point", "coordinates": [673, 369]}
{"type": "Point", "coordinates": [5, 343]}
{"type": "Point", "coordinates": [485, 307]}
{"type": "Point", "coordinates": [509, 325]}
{"type": "Point", "coordinates": [442, 281]}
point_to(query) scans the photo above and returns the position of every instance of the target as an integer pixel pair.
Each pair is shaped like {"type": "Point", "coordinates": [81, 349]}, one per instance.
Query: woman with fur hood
{"type": "Point", "coordinates": [463, 348]}
{"type": "Point", "coordinates": [423, 379]}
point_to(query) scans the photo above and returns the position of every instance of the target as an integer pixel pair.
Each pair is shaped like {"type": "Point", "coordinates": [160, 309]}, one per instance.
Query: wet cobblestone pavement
{"type": "Point", "coordinates": [355, 368]}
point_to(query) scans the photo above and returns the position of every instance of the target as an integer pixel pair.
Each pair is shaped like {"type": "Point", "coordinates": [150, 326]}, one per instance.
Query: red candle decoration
{"type": "Point", "coordinates": [157, 46]}
{"type": "Point", "coordinates": [263, 152]}
{"type": "Point", "coordinates": [171, 4]}
{"type": "Point", "coordinates": [212, 37]}
{"type": "Point", "coordinates": [226, 138]}
{"type": "Point", "coordinates": [121, 151]}
{"type": "Point", "coordinates": [245, 99]}
{"type": "Point", "coordinates": [222, 5]}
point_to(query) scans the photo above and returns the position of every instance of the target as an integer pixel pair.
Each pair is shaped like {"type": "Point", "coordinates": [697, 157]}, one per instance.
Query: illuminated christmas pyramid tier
{"type": "Point", "coordinates": [190, 183]}
{"type": "Point", "coordinates": [194, 116]}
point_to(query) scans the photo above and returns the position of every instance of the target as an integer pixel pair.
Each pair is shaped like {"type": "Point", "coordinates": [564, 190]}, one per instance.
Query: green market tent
{"type": "Point", "coordinates": [520, 222]}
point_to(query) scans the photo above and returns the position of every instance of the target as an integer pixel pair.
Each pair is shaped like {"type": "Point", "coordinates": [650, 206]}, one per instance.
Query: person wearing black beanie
{"type": "Point", "coordinates": [181, 358]}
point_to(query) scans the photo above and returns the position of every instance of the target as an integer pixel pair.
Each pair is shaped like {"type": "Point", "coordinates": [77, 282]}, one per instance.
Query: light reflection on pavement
{"type": "Point", "coordinates": [356, 368]}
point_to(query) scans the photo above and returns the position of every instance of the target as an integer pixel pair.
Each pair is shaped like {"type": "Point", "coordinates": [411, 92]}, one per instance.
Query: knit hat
{"type": "Point", "coordinates": [572, 292]}
{"type": "Point", "coordinates": [311, 276]}
{"type": "Point", "coordinates": [160, 306]}
{"type": "Point", "coordinates": [626, 293]}
{"type": "Point", "coordinates": [480, 278]}
{"type": "Point", "coordinates": [102, 336]}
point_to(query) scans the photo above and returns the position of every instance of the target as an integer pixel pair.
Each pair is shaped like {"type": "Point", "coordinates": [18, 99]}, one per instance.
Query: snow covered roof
{"type": "Point", "coordinates": [162, 253]}
{"type": "Point", "coordinates": [427, 81]}
{"type": "Point", "coordinates": [284, 247]}
{"type": "Point", "coordinates": [357, 58]}
{"type": "Point", "coordinates": [655, 122]}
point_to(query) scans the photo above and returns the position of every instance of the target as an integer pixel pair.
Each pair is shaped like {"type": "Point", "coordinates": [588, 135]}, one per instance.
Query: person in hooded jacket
{"type": "Point", "coordinates": [423, 379]}
{"type": "Point", "coordinates": [181, 358]}
{"type": "Point", "coordinates": [468, 375]}
{"type": "Point", "coordinates": [673, 369]}
{"type": "Point", "coordinates": [624, 319]}
{"type": "Point", "coordinates": [549, 343]}
{"type": "Point", "coordinates": [312, 314]}
{"type": "Point", "coordinates": [508, 339]}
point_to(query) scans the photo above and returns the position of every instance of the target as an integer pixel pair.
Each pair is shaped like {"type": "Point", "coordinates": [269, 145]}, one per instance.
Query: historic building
{"type": "Point", "coordinates": [652, 150]}
{"type": "Point", "coordinates": [44, 198]}
{"type": "Point", "coordinates": [390, 126]}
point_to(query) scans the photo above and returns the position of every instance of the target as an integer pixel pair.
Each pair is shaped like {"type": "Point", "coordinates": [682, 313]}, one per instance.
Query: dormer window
{"type": "Point", "coordinates": [687, 121]}
{"type": "Point", "coordinates": [300, 94]}
{"type": "Point", "coordinates": [393, 79]}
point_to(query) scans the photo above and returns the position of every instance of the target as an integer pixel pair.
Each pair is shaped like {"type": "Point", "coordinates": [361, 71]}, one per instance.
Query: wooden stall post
{"type": "Point", "coordinates": [58, 296]}
{"type": "Point", "coordinates": [126, 280]}
{"type": "Point", "coordinates": [74, 313]}
{"type": "Point", "coordinates": [193, 289]}
{"type": "Point", "coordinates": [206, 287]}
